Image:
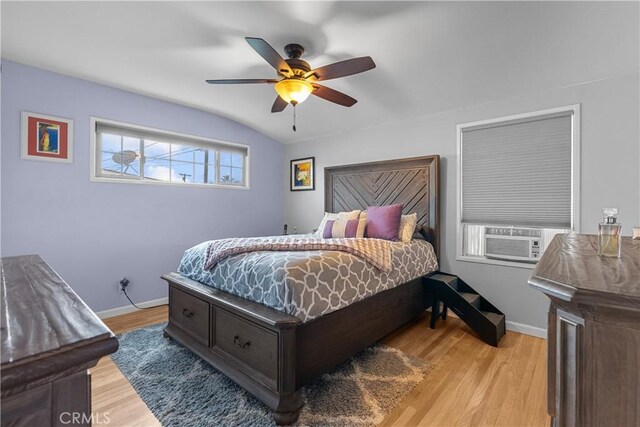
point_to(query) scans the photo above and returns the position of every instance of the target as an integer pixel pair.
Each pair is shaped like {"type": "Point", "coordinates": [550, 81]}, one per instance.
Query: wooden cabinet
{"type": "Point", "coordinates": [50, 339]}
{"type": "Point", "coordinates": [594, 332]}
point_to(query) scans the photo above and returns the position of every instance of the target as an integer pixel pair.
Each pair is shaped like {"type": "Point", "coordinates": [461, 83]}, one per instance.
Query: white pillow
{"type": "Point", "coordinates": [407, 227]}
{"type": "Point", "coordinates": [336, 216]}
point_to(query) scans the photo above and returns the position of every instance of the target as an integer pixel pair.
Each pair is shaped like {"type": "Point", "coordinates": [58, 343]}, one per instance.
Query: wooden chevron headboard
{"type": "Point", "coordinates": [413, 182]}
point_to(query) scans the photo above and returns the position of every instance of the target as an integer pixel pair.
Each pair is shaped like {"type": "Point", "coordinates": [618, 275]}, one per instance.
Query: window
{"type": "Point", "coordinates": [128, 153]}
{"type": "Point", "coordinates": [517, 185]}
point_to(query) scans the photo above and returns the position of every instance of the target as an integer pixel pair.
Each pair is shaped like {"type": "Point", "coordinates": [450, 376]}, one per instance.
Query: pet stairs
{"type": "Point", "coordinates": [481, 316]}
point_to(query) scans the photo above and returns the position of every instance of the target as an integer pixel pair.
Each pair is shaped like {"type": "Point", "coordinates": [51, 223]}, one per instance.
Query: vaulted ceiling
{"type": "Point", "coordinates": [430, 56]}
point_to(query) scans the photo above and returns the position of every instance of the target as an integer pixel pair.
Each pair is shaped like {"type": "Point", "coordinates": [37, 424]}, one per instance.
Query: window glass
{"type": "Point", "coordinates": [199, 155]}
{"type": "Point", "coordinates": [183, 153]}
{"type": "Point", "coordinates": [183, 171]}
{"type": "Point", "coordinates": [111, 143]}
{"type": "Point", "coordinates": [199, 174]}
{"type": "Point", "coordinates": [120, 156]}
{"type": "Point", "coordinates": [153, 157]}
{"type": "Point", "coordinates": [236, 175]}
{"type": "Point", "coordinates": [157, 169]}
{"type": "Point", "coordinates": [225, 158]}
{"type": "Point", "coordinates": [225, 175]}
{"type": "Point", "coordinates": [236, 160]}
{"type": "Point", "coordinates": [157, 149]}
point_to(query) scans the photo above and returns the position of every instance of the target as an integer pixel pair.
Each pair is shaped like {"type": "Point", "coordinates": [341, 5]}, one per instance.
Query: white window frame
{"type": "Point", "coordinates": [575, 178]}
{"type": "Point", "coordinates": [95, 175]}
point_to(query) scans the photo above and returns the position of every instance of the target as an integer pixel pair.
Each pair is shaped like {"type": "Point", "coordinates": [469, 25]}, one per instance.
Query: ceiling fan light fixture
{"type": "Point", "coordinates": [294, 91]}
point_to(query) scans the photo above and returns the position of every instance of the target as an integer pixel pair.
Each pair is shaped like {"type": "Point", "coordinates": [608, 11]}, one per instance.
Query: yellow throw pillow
{"type": "Point", "coordinates": [407, 227]}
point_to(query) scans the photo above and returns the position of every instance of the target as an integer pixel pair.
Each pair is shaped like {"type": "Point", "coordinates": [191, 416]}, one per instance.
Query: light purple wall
{"type": "Point", "coordinates": [93, 234]}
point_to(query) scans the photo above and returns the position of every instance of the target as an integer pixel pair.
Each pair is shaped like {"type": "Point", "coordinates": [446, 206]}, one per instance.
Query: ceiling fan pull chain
{"type": "Point", "coordinates": [294, 117]}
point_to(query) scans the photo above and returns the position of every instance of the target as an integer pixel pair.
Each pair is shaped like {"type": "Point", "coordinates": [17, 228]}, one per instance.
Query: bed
{"type": "Point", "coordinates": [273, 342]}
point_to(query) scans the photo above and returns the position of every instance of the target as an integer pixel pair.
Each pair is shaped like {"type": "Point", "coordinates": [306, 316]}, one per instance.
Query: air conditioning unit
{"type": "Point", "coordinates": [513, 243]}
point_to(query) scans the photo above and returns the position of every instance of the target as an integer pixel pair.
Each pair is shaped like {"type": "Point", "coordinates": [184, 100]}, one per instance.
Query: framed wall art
{"type": "Point", "coordinates": [46, 138]}
{"type": "Point", "coordinates": [303, 174]}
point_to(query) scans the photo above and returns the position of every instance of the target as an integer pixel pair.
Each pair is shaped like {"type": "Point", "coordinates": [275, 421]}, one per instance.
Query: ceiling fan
{"type": "Point", "coordinates": [297, 79]}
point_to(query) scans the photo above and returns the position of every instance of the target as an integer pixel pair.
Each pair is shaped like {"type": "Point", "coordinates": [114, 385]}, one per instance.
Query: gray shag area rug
{"type": "Point", "coordinates": [183, 390]}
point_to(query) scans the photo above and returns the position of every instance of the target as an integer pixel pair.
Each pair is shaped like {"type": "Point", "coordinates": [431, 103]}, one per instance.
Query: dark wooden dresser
{"type": "Point", "coordinates": [594, 332]}
{"type": "Point", "coordinates": [49, 340]}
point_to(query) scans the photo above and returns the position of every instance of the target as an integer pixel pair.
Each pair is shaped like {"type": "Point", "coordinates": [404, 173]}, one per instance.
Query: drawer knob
{"type": "Point", "coordinates": [240, 344]}
{"type": "Point", "coordinates": [186, 313]}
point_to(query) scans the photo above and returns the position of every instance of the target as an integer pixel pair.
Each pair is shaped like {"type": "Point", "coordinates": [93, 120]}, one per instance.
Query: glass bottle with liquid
{"type": "Point", "coordinates": [609, 234]}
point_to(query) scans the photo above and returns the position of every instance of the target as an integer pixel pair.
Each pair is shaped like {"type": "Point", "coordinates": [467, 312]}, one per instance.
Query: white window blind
{"type": "Point", "coordinates": [518, 172]}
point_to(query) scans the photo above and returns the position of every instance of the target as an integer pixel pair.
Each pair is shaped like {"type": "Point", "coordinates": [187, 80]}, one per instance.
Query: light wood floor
{"type": "Point", "coordinates": [471, 383]}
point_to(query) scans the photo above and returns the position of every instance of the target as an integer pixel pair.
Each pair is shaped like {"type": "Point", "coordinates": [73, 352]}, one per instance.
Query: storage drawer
{"type": "Point", "coordinates": [189, 313]}
{"type": "Point", "coordinates": [248, 343]}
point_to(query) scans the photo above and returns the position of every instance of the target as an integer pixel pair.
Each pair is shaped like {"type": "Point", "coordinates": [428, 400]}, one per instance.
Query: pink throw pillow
{"type": "Point", "coordinates": [383, 222]}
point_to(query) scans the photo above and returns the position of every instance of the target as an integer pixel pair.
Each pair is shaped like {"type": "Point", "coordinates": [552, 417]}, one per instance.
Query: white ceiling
{"type": "Point", "coordinates": [430, 56]}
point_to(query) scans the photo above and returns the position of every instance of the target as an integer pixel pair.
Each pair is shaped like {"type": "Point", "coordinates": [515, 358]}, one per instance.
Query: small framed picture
{"type": "Point", "coordinates": [303, 174]}
{"type": "Point", "coordinates": [46, 138]}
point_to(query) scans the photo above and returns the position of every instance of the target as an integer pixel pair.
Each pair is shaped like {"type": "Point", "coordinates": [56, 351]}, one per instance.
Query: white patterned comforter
{"type": "Point", "coordinates": [307, 284]}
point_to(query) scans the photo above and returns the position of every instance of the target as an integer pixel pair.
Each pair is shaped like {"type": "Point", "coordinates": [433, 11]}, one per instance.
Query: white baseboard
{"type": "Point", "coordinates": [511, 326]}
{"type": "Point", "coordinates": [130, 309]}
{"type": "Point", "coordinates": [526, 329]}
{"type": "Point", "coordinates": [520, 328]}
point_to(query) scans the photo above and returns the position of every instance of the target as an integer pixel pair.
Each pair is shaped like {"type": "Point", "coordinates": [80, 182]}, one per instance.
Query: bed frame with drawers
{"type": "Point", "coordinates": [272, 354]}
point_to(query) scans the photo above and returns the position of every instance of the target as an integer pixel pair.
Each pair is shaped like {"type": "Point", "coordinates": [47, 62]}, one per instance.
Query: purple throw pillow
{"type": "Point", "coordinates": [383, 222]}
{"type": "Point", "coordinates": [327, 233]}
{"type": "Point", "coordinates": [342, 229]}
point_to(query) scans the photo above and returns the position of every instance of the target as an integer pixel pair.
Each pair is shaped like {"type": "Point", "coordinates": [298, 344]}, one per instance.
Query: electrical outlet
{"type": "Point", "coordinates": [123, 284]}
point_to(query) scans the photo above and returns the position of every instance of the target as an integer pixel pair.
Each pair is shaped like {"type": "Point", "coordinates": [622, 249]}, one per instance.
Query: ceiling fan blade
{"type": "Point", "coordinates": [342, 68]}
{"type": "Point", "coordinates": [333, 95]}
{"type": "Point", "coordinates": [239, 81]}
{"type": "Point", "coordinates": [270, 55]}
{"type": "Point", "coordinates": [279, 105]}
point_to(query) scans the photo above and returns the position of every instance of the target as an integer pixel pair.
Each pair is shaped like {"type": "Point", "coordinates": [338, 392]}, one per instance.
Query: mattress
{"type": "Point", "coordinates": [308, 284]}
